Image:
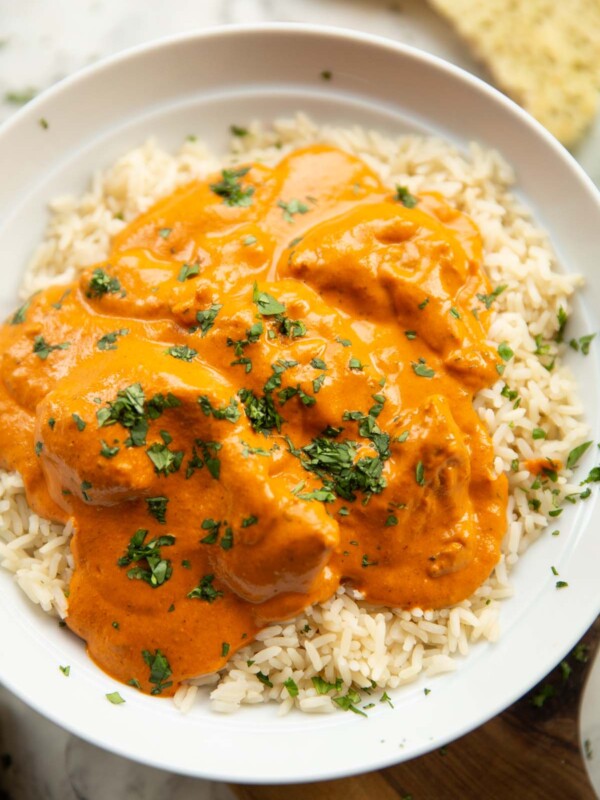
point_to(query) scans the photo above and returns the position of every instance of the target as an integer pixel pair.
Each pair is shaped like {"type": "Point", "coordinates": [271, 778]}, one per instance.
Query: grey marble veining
{"type": "Point", "coordinates": [40, 761]}
{"type": "Point", "coordinates": [42, 41]}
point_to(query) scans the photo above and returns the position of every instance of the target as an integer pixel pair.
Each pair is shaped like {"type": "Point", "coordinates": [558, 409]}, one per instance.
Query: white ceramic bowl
{"type": "Point", "coordinates": [201, 83]}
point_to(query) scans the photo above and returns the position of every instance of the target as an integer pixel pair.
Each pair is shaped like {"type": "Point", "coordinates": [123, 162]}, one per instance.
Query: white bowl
{"type": "Point", "coordinates": [201, 83]}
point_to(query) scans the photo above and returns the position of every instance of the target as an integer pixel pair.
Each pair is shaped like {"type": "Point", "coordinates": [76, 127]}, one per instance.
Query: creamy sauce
{"type": "Point", "coordinates": [228, 453]}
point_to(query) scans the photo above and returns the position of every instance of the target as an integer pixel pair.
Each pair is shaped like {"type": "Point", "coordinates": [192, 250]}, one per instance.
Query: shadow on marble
{"type": "Point", "coordinates": [40, 761]}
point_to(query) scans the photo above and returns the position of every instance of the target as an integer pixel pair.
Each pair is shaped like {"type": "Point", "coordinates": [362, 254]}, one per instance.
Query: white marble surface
{"type": "Point", "coordinates": [41, 41]}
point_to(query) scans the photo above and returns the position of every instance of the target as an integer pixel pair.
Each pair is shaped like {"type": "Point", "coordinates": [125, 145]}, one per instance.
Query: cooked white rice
{"type": "Point", "coordinates": [344, 638]}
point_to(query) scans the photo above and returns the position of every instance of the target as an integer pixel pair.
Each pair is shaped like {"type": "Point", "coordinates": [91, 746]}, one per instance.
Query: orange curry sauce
{"type": "Point", "coordinates": [265, 391]}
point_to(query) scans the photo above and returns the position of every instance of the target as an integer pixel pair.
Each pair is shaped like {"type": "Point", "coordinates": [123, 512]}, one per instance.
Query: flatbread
{"type": "Point", "coordinates": [545, 54]}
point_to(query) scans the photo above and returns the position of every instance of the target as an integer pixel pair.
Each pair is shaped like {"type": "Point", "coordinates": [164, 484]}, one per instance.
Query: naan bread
{"type": "Point", "coordinates": [543, 53]}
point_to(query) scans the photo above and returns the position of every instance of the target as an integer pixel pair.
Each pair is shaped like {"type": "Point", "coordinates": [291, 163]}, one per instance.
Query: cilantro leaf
{"type": "Point", "coordinates": [231, 189]}
{"type": "Point", "coordinates": [405, 197]}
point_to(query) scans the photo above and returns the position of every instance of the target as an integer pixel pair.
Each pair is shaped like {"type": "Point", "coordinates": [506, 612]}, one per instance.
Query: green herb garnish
{"type": "Point", "coordinates": [576, 454]}
{"type": "Point", "coordinates": [108, 341]}
{"type": "Point", "coordinates": [421, 369]}
{"type": "Point", "coordinates": [182, 352]}
{"type": "Point", "coordinates": [81, 424]}
{"type": "Point", "coordinates": [160, 670]}
{"type": "Point", "coordinates": [205, 590]}
{"type": "Point", "coordinates": [231, 189]}
{"type": "Point", "coordinates": [206, 319]}
{"type": "Point", "coordinates": [157, 508]}
{"type": "Point", "coordinates": [42, 349]}
{"type": "Point", "coordinates": [115, 698]}
{"type": "Point", "coordinates": [101, 283]}
{"type": "Point", "coordinates": [188, 271]}
{"type": "Point", "coordinates": [158, 569]}
{"type": "Point", "coordinates": [405, 197]}
{"type": "Point", "coordinates": [165, 461]}
{"type": "Point", "coordinates": [291, 208]}
{"type": "Point", "coordinates": [488, 299]}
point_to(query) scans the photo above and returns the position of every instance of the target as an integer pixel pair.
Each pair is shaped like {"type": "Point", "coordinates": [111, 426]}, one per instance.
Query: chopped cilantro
{"type": "Point", "coordinates": [164, 233]}
{"type": "Point", "coordinates": [227, 539]}
{"type": "Point", "coordinates": [576, 454]}
{"type": "Point", "coordinates": [115, 698]}
{"type": "Point", "coordinates": [266, 303]}
{"type": "Point", "coordinates": [59, 302]}
{"type": "Point", "coordinates": [128, 410]}
{"type": "Point", "coordinates": [108, 341]}
{"type": "Point", "coordinates": [292, 687]}
{"type": "Point", "coordinates": [42, 349]}
{"type": "Point", "coordinates": [206, 319]}
{"type": "Point", "coordinates": [291, 208]}
{"type": "Point", "coordinates": [165, 461]}
{"type": "Point", "coordinates": [421, 369]}
{"type": "Point", "coordinates": [182, 352]}
{"type": "Point", "coordinates": [237, 131]}
{"type": "Point", "coordinates": [260, 411]}
{"type": "Point", "coordinates": [420, 473]}
{"type": "Point", "coordinates": [208, 455]}
{"type": "Point", "coordinates": [323, 687]}
{"type": "Point", "coordinates": [348, 702]}
{"type": "Point", "coordinates": [101, 283]}
{"type": "Point", "coordinates": [583, 343]}
{"type": "Point", "coordinates": [488, 299]}
{"type": "Point", "coordinates": [355, 364]}
{"type": "Point", "coordinates": [212, 526]}
{"type": "Point", "coordinates": [505, 352]}
{"type": "Point", "coordinates": [385, 698]}
{"type": "Point", "coordinates": [405, 197]}
{"type": "Point", "coordinates": [333, 462]}
{"type": "Point", "coordinates": [157, 508]}
{"type": "Point", "coordinates": [231, 189]}
{"type": "Point", "coordinates": [158, 569]}
{"type": "Point", "coordinates": [231, 412]}
{"type": "Point", "coordinates": [562, 319]}
{"type": "Point", "coordinates": [160, 670]}
{"type": "Point", "coordinates": [188, 271]}
{"type": "Point", "coordinates": [81, 424]}
{"type": "Point", "coordinates": [20, 314]}
{"type": "Point", "coordinates": [205, 590]}
{"type": "Point", "coordinates": [107, 451]}
{"type": "Point", "coordinates": [19, 98]}
{"type": "Point", "coordinates": [593, 476]}
{"type": "Point", "coordinates": [318, 382]}
{"type": "Point", "coordinates": [66, 671]}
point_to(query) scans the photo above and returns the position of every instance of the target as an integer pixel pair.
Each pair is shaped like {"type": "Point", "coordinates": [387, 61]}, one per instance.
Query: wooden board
{"type": "Point", "coordinates": [530, 751]}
